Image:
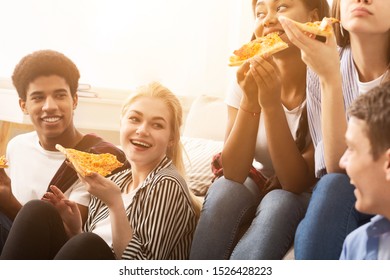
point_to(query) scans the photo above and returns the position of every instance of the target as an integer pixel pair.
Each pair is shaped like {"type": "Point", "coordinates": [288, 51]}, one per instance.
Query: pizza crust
{"type": "Point", "coordinates": [320, 28]}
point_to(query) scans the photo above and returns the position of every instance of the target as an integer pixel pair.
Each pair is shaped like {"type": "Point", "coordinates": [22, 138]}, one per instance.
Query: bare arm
{"type": "Point", "coordinates": [242, 128]}
{"type": "Point", "coordinates": [295, 170]}
{"type": "Point", "coordinates": [324, 59]}
{"type": "Point", "coordinates": [108, 192]}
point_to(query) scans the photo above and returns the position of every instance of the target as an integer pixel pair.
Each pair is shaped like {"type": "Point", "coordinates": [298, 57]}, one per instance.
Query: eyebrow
{"type": "Point", "coordinates": [262, 2]}
{"type": "Point", "coordinates": [42, 91]}
{"type": "Point", "coordinates": [156, 118]}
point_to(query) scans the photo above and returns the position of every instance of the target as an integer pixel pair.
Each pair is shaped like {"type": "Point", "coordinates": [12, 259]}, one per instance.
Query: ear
{"type": "Point", "coordinates": [22, 105]}
{"type": "Point", "coordinates": [313, 15]}
{"type": "Point", "coordinates": [387, 165]}
{"type": "Point", "coordinates": [75, 100]}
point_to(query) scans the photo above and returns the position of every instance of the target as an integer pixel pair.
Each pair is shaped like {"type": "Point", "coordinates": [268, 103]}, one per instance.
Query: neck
{"type": "Point", "coordinates": [371, 60]}
{"type": "Point", "coordinates": [293, 77]}
{"type": "Point", "coordinates": [68, 139]}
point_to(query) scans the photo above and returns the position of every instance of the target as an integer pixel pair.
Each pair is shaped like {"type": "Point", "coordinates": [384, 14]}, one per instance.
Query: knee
{"type": "Point", "coordinates": [37, 207]}
{"type": "Point", "coordinates": [227, 192]}
{"type": "Point", "coordinates": [282, 201]}
{"type": "Point", "coordinates": [333, 184]}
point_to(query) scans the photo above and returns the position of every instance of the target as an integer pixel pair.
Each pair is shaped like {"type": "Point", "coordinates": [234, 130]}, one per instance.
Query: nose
{"type": "Point", "coordinates": [270, 19]}
{"type": "Point", "coordinates": [50, 104]}
{"type": "Point", "coordinates": [142, 130]}
{"type": "Point", "coordinates": [344, 160]}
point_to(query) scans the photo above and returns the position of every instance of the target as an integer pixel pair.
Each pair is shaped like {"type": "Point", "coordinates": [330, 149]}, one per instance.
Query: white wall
{"type": "Point", "coordinates": [184, 44]}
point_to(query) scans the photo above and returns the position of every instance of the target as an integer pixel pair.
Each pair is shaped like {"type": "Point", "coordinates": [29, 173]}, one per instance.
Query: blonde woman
{"type": "Point", "coordinates": [145, 212]}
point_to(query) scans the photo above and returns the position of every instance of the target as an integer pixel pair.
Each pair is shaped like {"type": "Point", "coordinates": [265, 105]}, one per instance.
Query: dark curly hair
{"type": "Point", "coordinates": [44, 63]}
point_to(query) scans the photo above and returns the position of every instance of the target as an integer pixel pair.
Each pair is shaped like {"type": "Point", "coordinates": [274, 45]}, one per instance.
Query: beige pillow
{"type": "Point", "coordinates": [197, 161]}
{"type": "Point", "coordinates": [207, 118]}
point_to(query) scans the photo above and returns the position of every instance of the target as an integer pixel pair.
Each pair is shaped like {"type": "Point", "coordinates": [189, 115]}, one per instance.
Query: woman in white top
{"type": "Point", "coordinates": [145, 212]}
{"type": "Point", "coordinates": [267, 120]}
{"type": "Point", "coordinates": [336, 78]}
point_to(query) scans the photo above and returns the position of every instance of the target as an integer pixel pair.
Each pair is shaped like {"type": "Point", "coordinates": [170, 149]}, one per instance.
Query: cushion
{"type": "Point", "coordinates": [198, 153]}
{"type": "Point", "coordinates": [207, 118]}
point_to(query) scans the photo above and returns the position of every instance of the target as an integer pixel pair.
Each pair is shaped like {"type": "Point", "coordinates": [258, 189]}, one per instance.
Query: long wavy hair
{"type": "Point", "coordinates": [175, 151]}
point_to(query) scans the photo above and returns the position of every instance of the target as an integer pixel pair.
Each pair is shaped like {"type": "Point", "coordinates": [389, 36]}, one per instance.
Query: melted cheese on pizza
{"type": "Point", "coordinates": [3, 162]}
{"type": "Point", "coordinates": [103, 164]}
{"type": "Point", "coordinates": [258, 46]}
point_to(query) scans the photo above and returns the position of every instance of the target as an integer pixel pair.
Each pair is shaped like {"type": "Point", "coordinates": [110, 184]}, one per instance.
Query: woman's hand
{"type": "Point", "coordinates": [322, 57]}
{"type": "Point", "coordinates": [68, 210]}
{"type": "Point", "coordinates": [267, 77]}
{"type": "Point", "coordinates": [103, 188]}
{"type": "Point", "coordinates": [249, 87]}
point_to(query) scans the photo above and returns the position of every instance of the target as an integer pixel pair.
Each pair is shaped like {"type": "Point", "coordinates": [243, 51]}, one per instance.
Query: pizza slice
{"type": "Point", "coordinates": [3, 162]}
{"type": "Point", "coordinates": [86, 163]}
{"type": "Point", "coordinates": [266, 45]}
{"type": "Point", "coordinates": [320, 28]}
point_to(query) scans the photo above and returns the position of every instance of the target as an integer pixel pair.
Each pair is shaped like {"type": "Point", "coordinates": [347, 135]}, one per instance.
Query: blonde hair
{"type": "Point", "coordinates": [174, 151]}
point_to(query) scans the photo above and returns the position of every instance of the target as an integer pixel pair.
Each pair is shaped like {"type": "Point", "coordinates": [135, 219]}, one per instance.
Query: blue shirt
{"type": "Point", "coordinates": [363, 243]}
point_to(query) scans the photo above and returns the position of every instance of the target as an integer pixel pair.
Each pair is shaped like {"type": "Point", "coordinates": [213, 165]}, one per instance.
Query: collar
{"type": "Point", "coordinates": [379, 225]}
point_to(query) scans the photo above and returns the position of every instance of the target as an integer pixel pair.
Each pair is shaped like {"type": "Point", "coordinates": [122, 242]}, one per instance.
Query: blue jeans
{"type": "Point", "coordinates": [5, 226]}
{"type": "Point", "coordinates": [232, 209]}
{"type": "Point", "coordinates": [330, 217]}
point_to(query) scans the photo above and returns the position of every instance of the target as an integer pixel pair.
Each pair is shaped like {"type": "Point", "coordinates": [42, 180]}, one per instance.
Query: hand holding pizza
{"type": "Point", "coordinates": [267, 77]}
{"type": "Point", "coordinates": [103, 188]}
{"type": "Point", "coordinates": [322, 57]}
{"type": "Point", "coordinates": [249, 87]}
{"type": "Point", "coordinates": [5, 188]}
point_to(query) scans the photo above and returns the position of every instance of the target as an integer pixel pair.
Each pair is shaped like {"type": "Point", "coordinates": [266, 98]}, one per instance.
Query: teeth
{"type": "Point", "coordinates": [141, 143]}
{"type": "Point", "coordinates": [51, 120]}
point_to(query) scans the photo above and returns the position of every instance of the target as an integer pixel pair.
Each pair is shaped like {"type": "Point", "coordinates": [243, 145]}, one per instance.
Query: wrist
{"type": "Point", "coordinates": [253, 113]}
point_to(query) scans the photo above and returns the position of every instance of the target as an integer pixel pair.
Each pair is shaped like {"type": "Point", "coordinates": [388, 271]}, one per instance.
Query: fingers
{"type": "Point", "coordinates": [264, 71]}
{"type": "Point", "coordinates": [57, 192]}
{"type": "Point", "coordinates": [242, 71]}
{"type": "Point", "coordinates": [295, 35]}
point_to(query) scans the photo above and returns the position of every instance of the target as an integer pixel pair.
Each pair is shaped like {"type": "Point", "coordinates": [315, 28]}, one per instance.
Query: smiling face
{"type": "Point", "coordinates": [268, 11]}
{"type": "Point", "coordinates": [365, 16]}
{"type": "Point", "coordinates": [367, 175]}
{"type": "Point", "coordinates": [50, 105]}
{"type": "Point", "coordinates": [145, 132]}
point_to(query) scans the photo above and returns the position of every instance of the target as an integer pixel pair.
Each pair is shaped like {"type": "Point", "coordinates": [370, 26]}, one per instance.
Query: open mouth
{"type": "Point", "coordinates": [50, 119]}
{"type": "Point", "coordinates": [140, 144]}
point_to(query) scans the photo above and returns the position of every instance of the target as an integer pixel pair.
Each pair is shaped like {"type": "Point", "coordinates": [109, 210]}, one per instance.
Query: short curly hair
{"type": "Point", "coordinates": [44, 63]}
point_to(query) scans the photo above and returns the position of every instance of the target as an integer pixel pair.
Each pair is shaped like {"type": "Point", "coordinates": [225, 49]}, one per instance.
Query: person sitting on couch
{"type": "Point", "coordinates": [367, 162]}
{"type": "Point", "coordinates": [46, 82]}
{"type": "Point", "coordinates": [144, 212]}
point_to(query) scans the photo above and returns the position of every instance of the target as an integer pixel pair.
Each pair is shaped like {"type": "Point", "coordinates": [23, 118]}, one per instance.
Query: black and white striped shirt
{"type": "Point", "coordinates": [161, 215]}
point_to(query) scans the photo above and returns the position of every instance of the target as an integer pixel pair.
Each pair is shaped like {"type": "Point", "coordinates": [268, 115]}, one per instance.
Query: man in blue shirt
{"type": "Point", "coordinates": [367, 162]}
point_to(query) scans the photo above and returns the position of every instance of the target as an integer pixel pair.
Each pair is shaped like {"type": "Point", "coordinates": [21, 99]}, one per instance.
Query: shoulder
{"type": "Point", "coordinates": [22, 140]}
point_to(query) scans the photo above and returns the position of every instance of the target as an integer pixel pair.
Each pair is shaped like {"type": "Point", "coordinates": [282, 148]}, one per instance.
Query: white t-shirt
{"type": "Point", "coordinates": [262, 155]}
{"type": "Point", "coordinates": [365, 87]}
{"type": "Point", "coordinates": [103, 227]}
{"type": "Point", "coordinates": [31, 168]}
